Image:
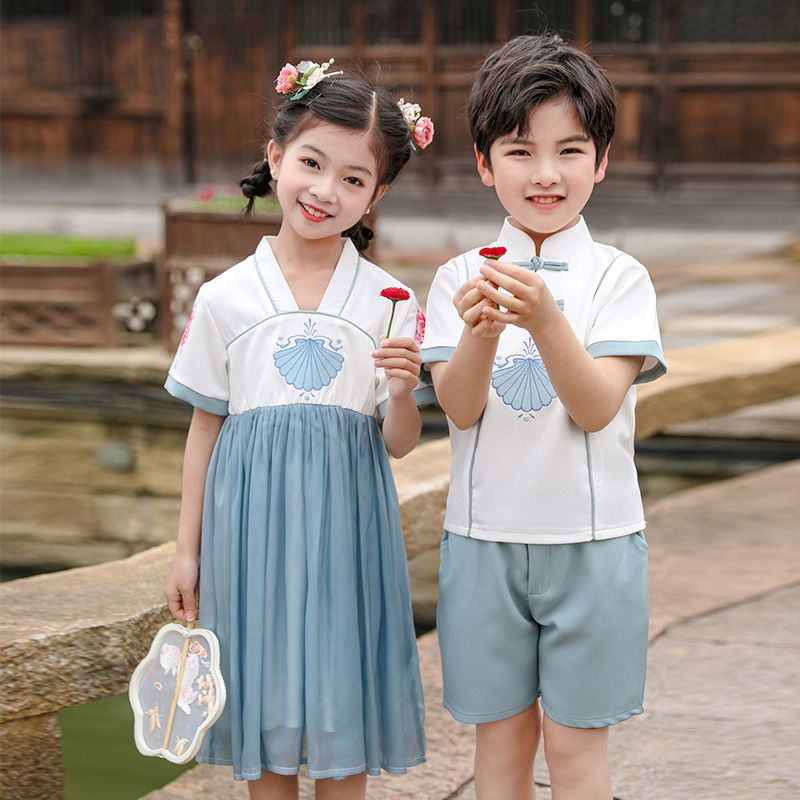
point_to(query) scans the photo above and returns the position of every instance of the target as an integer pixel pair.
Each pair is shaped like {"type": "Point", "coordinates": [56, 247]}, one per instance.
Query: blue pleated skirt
{"type": "Point", "coordinates": [304, 581]}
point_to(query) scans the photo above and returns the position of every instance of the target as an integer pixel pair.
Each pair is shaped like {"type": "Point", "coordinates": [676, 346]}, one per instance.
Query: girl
{"type": "Point", "coordinates": [303, 569]}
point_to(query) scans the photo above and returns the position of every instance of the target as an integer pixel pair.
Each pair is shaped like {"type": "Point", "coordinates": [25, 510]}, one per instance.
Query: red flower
{"type": "Point", "coordinates": [395, 293]}
{"type": "Point", "coordinates": [492, 252]}
{"type": "Point", "coordinates": [205, 195]}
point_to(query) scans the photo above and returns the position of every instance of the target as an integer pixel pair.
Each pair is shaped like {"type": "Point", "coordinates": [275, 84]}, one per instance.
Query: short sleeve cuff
{"type": "Point", "coordinates": [423, 396]}
{"type": "Point", "coordinates": [433, 354]}
{"type": "Point", "coordinates": [654, 363]}
{"type": "Point", "coordinates": [201, 401]}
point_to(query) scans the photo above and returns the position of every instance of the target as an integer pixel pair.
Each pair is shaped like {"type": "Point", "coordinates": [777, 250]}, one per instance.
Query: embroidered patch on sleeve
{"type": "Point", "coordinates": [419, 334]}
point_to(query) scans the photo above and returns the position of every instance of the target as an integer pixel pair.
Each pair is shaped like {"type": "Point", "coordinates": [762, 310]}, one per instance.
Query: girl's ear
{"type": "Point", "coordinates": [379, 192]}
{"type": "Point", "coordinates": [600, 172]}
{"type": "Point", "coordinates": [274, 155]}
{"type": "Point", "coordinates": [484, 170]}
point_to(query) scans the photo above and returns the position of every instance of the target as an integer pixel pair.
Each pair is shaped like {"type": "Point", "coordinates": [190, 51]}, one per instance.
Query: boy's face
{"type": "Point", "coordinates": [545, 179]}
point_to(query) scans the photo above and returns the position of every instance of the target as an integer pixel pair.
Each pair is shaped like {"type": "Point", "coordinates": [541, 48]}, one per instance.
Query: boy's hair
{"type": "Point", "coordinates": [529, 70]}
{"type": "Point", "coordinates": [352, 103]}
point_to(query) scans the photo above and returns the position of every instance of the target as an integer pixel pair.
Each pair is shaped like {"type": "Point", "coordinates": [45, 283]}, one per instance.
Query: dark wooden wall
{"type": "Point", "coordinates": [177, 90]}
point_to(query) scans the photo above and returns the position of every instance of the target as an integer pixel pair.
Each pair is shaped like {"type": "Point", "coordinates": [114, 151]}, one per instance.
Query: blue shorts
{"type": "Point", "coordinates": [564, 622]}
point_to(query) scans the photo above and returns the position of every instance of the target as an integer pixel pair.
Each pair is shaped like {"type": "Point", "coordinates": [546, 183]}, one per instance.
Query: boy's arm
{"type": "Point", "coordinates": [591, 390]}
{"type": "Point", "coordinates": [179, 590]}
{"type": "Point", "coordinates": [462, 383]}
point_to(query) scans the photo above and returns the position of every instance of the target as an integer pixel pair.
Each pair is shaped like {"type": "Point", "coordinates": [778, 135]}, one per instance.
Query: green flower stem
{"type": "Point", "coordinates": [391, 319]}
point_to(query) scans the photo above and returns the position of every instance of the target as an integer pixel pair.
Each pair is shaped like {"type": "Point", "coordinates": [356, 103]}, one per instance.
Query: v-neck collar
{"type": "Point", "coordinates": [559, 246]}
{"type": "Point", "coordinates": [337, 293]}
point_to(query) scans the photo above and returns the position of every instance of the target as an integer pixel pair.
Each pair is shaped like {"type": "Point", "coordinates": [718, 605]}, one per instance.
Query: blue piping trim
{"type": "Point", "coordinates": [431, 354]}
{"type": "Point", "coordinates": [201, 401]}
{"type": "Point", "coordinates": [307, 314]}
{"type": "Point", "coordinates": [264, 284]}
{"type": "Point", "coordinates": [423, 396]}
{"type": "Point", "coordinates": [591, 483]}
{"type": "Point", "coordinates": [352, 285]}
{"type": "Point", "coordinates": [647, 348]}
{"type": "Point", "coordinates": [471, 469]}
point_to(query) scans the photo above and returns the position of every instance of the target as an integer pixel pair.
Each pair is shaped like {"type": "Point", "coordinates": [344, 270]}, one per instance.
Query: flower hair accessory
{"type": "Point", "coordinates": [302, 78]}
{"type": "Point", "coordinates": [421, 127]}
{"type": "Point", "coordinates": [395, 294]}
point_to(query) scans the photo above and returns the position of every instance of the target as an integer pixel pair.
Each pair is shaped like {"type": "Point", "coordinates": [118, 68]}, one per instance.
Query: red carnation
{"type": "Point", "coordinates": [394, 294]}
{"type": "Point", "coordinates": [493, 253]}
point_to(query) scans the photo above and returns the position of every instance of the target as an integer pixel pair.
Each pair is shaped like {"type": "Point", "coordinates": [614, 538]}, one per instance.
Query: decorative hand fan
{"type": "Point", "coordinates": [177, 692]}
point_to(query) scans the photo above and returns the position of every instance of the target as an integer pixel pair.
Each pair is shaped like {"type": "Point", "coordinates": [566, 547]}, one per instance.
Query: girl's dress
{"type": "Point", "coordinates": [303, 571]}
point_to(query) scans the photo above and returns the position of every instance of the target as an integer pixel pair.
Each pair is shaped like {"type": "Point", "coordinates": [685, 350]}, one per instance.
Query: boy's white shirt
{"type": "Point", "coordinates": [525, 472]}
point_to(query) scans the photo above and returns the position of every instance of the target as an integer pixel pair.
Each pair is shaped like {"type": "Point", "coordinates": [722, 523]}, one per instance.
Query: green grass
{"type": "Point", "coordinates": [42, 245]}
{"type": "Point", "coordinates": [267, 205]}
{"type": "Point", "coordinates": [100, 757]}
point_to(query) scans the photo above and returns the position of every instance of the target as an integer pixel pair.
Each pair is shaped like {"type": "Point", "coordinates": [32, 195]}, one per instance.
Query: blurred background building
{"type": "Point", "coordinates": [167, 92]}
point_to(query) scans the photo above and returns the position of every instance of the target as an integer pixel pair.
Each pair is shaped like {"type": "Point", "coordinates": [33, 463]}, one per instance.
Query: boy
{"type": "Point", "coordinates": [543, 581]}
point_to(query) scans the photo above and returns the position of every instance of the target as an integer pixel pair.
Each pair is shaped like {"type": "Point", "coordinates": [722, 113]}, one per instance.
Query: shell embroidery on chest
{"type": "Point", "coordinates": [308, 361]}
{"type": "Point", "coordinates": [521, 381]}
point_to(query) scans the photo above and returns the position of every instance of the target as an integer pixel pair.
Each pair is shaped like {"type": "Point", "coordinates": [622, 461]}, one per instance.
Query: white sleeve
{"type": "Point", "coordinates": [199, 372]}
{"type": "Point", "coordinates": [444, 325]}
{"type": "Point", "coordinates": [409, 321]}
{"type": "Point", "coordinates": [624, 321]}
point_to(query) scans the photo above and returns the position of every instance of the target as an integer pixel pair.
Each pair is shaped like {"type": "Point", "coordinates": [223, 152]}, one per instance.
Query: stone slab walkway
{"type": "Point", "coordinates": [724, 578]}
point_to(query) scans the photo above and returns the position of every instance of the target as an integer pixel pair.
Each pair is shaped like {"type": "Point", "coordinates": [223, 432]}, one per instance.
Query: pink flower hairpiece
{"type": "Point", "coordinates": [421, 127]}
{"type": "Point", "coordinates": [302, 78]}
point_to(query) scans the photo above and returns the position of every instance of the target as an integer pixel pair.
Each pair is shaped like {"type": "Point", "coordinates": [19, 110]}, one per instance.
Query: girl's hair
{"type": "Point", "coordinates": [352, 103]}
{"type": "Point", "coordinates": [530, 70]}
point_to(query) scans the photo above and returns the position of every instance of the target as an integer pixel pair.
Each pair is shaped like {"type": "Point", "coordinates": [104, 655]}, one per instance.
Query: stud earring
{"type": "Point", "coordinates": [369, 209]}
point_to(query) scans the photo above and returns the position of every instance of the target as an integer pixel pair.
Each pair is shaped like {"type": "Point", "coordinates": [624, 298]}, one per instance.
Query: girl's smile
{"type": "Point", "coordinates": [314, 214]}
{"type": "Point", "coordinates": [326, 180]}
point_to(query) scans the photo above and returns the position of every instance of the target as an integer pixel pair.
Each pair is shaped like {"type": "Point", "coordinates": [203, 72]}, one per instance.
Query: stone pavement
{"type": "Point", "coordinates": [720, 716]}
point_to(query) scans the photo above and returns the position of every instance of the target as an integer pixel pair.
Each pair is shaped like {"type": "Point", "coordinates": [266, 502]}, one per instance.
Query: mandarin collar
{"type": "Point", "coordinates": [339, 287]}
{"type": "Point", "coordinates": [557, 247]}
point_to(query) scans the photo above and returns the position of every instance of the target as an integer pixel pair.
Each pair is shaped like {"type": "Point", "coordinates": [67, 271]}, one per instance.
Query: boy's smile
{"type": "Point", "coordinates": [545, 177]}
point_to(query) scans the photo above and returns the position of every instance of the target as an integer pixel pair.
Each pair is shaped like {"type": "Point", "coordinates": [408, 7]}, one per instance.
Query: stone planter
{"type": "Point", "coordinates": [84, 303]}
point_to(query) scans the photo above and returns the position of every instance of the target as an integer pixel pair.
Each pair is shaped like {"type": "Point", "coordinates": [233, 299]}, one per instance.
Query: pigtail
{"type": "Point", "coordinates": [256, 184]}
{"type": "Point", "coordinates": [360, 235]}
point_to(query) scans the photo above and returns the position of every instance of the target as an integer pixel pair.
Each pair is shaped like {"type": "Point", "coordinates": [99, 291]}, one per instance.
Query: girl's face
{"type": "Point", "coordinates": [326, 179]}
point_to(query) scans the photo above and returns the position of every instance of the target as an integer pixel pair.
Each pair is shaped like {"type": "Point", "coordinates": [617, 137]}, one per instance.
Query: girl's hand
{"type": "Point", "coordinates": [531, 305]}
{"type": "Point", "coordinates": [180, 588]}
{"type": "Point", "coordinates": [401, 359]}
{"type": "Point", "coordinates": [470, 302]}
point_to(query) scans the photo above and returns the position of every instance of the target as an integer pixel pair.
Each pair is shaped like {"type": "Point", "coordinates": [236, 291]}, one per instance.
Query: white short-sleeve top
{"type": "Point", "coordinates": [525, 472]}
{"type": "Point", "coordinates": [248, 346]}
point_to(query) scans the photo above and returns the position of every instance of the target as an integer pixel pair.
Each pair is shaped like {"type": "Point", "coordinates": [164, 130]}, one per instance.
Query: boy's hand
{"type": "Point", "coordinates": [470, 302]}
{"type": "Point", "coordinates": [531, 304]}
{"type": "Point", "coordinates": [401, 359]}
{"type": "Point", "coordinates": [180, 588]}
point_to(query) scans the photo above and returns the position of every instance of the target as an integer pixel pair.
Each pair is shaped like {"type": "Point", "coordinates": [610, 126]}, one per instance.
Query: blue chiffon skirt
{"type": "Point", "coordinates": [304, 581]}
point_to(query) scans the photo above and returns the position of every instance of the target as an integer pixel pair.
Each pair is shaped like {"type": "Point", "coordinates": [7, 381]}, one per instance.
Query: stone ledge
{"type": "Point", "coordinates": [718, 378]}
{"type": "Point", "coordinates": [75, 636]}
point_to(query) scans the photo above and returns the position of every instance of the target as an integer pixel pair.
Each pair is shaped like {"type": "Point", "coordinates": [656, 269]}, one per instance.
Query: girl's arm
{"type": "Point", "coordinates": [182, 580]}
{"type": "Point", "coordinates": [402, 425]}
